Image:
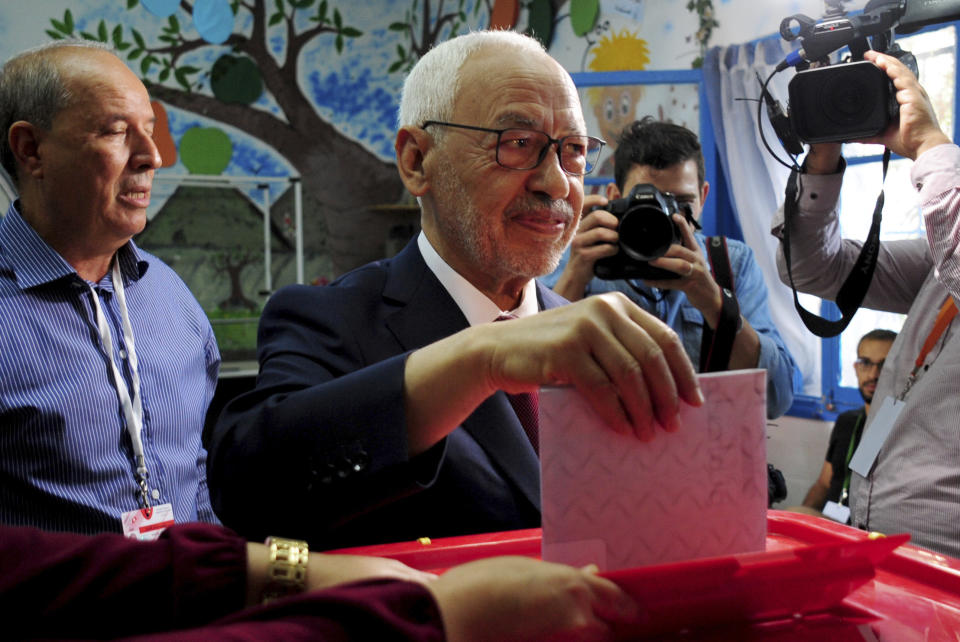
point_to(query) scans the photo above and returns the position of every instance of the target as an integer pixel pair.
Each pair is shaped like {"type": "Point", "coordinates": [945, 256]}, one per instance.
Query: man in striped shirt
{"type": "Point", "coordinates": [107, 362]}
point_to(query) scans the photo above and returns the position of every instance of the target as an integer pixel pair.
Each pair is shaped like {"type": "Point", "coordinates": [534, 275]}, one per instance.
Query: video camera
{"type": "Point", "coordinates": [855, 99]}
{"type": "Point", "coordinates": [646, 231]}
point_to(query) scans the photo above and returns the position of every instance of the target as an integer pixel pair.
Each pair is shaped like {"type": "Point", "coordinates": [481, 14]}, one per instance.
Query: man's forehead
{"type": "Point", "coordinates": [874, 345]}
{"type": "Point", "coordinates": [682, 175]}
{"type": "Point", "coordinates": [507, 90]}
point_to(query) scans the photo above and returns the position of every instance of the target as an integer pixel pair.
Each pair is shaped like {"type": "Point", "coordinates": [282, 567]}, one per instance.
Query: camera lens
{"type": "Point", "coordinates": [846, 99]}
{"type": "Point", "coordinates": [842, 102]}
{"type": "Point", "coordinates": [646, 233]}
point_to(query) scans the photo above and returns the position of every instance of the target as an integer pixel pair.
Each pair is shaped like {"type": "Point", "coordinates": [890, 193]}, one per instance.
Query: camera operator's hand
{"type": "Point", "coordinates": [695, 280]}
{"type": "Point", "coordinates": [917, 129]}
{"type": "Point", "coordinates": [703, 292]}
{"type": "Point", "coordinates": [596, 238]}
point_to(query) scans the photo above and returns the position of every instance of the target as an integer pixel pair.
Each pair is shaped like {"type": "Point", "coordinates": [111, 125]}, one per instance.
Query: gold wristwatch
{"type": "Point", "coordinates": [287, 572]}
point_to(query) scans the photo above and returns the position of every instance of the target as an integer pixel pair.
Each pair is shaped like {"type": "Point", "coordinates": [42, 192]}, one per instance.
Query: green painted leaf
{"type": "Point", "coordinates": [164, 75]}
{"type": "Point", "coordinates": [102, 33]}
{"type": "Point", "coordinates": [350, 32]}
{"type": "Point", "coordinates": [68, 21]}
{"type": "Point", "coordinates": [302, 4]}
{"type": "Point", "coordinates": [117, 35]}
{"type": "Point", "coordinates": [145, 64]}
{"type": "Point", "coordinates": [235, 79]}
{"type": "Point", "coordinates": [138, 39]}
{"type": "Point", "coordinates": [86, 35]}
{"type": "Point", "coordinates": [275, 18]}
{"type": "Point", "coordinates": [59, 26]}
{"type": "Point", "coordinates": [174, 24]}
{"type": "Point", "coordinates": [339, 43]}
{"type": "Point", "coordinates": [583, 15]}
{"type": "Point", "coordinates": [395, 66]}
{"type": "Point", "coordinates": [540, 16]}
{"type": "Point", "coordinates": [53, 34]}
{"type": "Point", "coordinates": [182, 79]}
{"type": "Point", "coordinates": [136, 53]}
{"type": "Point", "coordinates": [397, 26]}
{"type": "Point", "coordinates": [337, 20]}
{"type": "Point", "coordinates": [122, 46]}
{"type": "Point", "coordinates": [205, 150]}
{"type": "Point", "coordinates": [131, 4]}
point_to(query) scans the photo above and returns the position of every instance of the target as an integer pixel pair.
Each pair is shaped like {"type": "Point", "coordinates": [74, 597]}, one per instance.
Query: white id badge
{"type": "Point", "coordinates": [837, 512]}
{"type": "Point", "coordinates": [147, 523]}
{"type": "Point", "coordinates": [872, 440]}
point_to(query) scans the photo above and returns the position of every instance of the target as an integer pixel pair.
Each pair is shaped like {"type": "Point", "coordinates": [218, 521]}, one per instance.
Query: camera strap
{"type": "Point", "coordinates": [717, 345]}
{"type": "Point", "coordinates": [854, 288]}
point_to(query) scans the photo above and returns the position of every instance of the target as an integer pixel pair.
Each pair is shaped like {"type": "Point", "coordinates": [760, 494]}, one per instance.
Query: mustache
{"type": "Point", "coordinates": [545, 206]}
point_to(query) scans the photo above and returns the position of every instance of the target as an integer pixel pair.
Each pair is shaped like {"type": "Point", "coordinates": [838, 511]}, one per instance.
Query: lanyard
{"type": "Point", "coordinates": [854, 438]}
{"type": "Point", "coordinates": [947, 311]}
{"type": "Point", "coordinates": [132, 406]}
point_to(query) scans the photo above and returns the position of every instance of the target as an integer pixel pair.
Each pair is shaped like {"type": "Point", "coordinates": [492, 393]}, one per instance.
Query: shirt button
{"type": "Point", "coordinates": [155, 493]}
{"type": "Point", "coordinates": [123, 354]}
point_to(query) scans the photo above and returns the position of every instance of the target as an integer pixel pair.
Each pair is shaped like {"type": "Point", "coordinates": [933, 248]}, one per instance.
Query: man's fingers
{"type": "Point", "coordinates": [603, 395]}
{"type": "Point", "coordinates": [681, 370]}
{"type": "Point", "coordinates": [650, 384]}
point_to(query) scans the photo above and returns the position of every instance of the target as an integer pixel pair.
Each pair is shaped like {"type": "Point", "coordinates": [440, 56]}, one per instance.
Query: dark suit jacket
{"type": "Point", "coordinates": [318, 449]}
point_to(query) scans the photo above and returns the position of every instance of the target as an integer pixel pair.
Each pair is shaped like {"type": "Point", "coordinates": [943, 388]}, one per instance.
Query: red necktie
{"type": "Point", "coordinates": [527, 406]}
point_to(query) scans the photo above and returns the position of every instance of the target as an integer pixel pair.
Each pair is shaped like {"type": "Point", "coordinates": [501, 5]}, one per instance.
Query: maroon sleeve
{"type": "Point", "coordinates": [371, 610]}
{"type": "Point", "coordinates": [67, 585]}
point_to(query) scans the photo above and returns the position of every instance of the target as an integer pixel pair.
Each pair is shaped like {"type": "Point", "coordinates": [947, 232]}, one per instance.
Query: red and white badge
{"type": "Point", "coordinates": [147, 523]}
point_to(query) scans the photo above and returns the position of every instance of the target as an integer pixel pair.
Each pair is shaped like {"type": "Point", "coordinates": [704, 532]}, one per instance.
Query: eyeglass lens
{"type": "Point", "coordinates": [525, 149]}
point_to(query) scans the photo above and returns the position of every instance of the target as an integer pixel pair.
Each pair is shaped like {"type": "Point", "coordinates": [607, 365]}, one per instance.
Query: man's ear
{"type": "Point", "coordinates": [613, 192]}
{"type": "Point", "coordinates": [24, 140]}
{"type": "Point", "coordinates": [703, 193]}
{"type": "Point", "coordinates": [412, 145]}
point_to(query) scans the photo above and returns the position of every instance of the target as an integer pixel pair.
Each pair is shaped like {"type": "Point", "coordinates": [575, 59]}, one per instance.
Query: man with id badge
{"type": "Point", "coordinates": [109, 362]}
{"type": "Point", "coordinates": [830, 493]}
{"type": "Point", "coordinates": [906, 469]}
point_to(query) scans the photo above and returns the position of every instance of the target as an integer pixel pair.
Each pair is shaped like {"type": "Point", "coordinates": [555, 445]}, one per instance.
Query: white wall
{"type": "Point", "coordinates": [797, 447]}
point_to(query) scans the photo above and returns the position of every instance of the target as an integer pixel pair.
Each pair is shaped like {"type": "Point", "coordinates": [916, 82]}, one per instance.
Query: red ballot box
{"type": "Point", "coordinates": [818, 580]}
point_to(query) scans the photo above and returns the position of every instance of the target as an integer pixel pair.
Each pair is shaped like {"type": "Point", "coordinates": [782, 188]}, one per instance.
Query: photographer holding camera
{"type": "Point", "coordinates": [660, 166]}
{"type": "Point", "coordinates": [909, 467]}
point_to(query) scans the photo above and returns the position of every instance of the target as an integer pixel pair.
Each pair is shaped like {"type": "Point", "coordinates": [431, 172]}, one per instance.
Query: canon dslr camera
{"type": "Point", "coordinates": [646, 232]}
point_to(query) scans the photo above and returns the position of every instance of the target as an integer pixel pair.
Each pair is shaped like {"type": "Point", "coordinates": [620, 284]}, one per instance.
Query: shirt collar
{"type": "Point", "coordinates": [474, 304]}
{"type": "Point", "coordinates": [35, 263]}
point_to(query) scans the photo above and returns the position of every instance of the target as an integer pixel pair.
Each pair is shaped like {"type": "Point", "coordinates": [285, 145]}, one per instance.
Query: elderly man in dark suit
{"type": "Point", "coordinates": [388, 406]}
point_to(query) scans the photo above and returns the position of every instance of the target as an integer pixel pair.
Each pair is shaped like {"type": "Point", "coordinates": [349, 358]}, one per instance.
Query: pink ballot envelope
{"type": "Point", "coordinates": [615, 501]}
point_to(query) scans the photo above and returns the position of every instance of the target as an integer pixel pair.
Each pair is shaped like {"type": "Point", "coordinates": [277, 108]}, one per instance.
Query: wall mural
{"type": "Point", "coordinates": [309, 89]}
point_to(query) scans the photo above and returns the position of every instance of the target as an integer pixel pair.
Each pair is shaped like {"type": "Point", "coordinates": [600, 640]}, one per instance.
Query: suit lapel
{"type": "Point", "coordinates": [426, 313]}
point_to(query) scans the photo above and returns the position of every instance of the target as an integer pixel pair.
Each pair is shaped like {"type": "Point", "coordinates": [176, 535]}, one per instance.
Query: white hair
{"type": "Point", "coordinates": [431, 87]}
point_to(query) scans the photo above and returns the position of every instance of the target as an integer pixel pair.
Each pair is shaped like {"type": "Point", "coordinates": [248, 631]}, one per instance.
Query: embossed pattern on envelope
{"type": "Point", "coordinates": [698, 492]}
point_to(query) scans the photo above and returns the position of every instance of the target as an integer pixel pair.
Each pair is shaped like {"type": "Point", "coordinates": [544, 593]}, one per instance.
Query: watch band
{"type": "Point", "coordinates": [287, 572]}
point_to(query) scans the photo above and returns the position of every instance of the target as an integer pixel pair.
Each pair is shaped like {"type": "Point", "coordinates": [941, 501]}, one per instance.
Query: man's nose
{"type": "Point", "coordinates": [146, 155]}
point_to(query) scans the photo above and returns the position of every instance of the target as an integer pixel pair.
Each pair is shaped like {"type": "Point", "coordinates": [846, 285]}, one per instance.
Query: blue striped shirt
{"type": "Point", "coordinates": [66, 461]}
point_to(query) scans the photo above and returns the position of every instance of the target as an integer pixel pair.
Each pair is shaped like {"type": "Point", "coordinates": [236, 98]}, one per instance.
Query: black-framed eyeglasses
{"type": "Point", "coordinates": [864, 363]}
{"type": "Point", "coordinates": [519, 148]}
